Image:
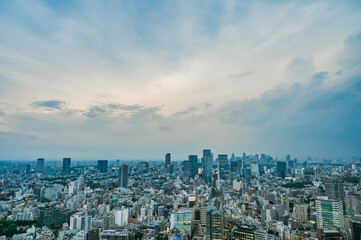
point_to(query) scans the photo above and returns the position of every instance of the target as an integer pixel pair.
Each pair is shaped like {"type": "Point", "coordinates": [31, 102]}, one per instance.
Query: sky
{"type": "Point", "coordinates": [137, 79]}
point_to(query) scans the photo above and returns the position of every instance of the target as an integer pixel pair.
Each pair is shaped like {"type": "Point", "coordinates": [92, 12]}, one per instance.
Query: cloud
{"type": "Point", "coordinates": [144, 78]}
{"type": "Point", "coordinates": [56, 104]}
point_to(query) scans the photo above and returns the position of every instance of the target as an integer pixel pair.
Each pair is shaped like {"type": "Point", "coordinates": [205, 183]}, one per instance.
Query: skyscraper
{"type": "Point", "coordinates": [223, 161]}
{"type": "Point", "coordinates": [167, 163]}
{"type": "Point", "coordinates": [123, 175]}
{"type": "Point", "coordinates": [167, 159]}
{"type": "Point", "coordinates": [27, 169]}
{"type": "Point", "coordinates": [214, 224]}
{"type": "Point", "coordinates": [355, 229]}
{"type": "Point", "coordinates": [193, 159]}
{"type": "Point", "coordinates": [329, 213]}
{"type": "Point", "coordinates": [281, 169]}
{"type": "Point", "coordinates": [40, 165]}
{"type": "Point", "coordinates": [334, 189]}
{"type": "Point", "coordinates": [207, 161]}
{"type": "Point", "coordinates": [66, 165]}
{"type": "Point", "coordinates": [103, 166]}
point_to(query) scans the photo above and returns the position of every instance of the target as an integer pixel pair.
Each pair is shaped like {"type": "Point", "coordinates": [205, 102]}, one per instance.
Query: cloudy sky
{"type": "Point", "coordinates": [137, 79]}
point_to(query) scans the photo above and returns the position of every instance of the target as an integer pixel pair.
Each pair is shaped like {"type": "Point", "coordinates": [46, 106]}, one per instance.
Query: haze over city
{"type": "Point", "coordinates": [137, 79]}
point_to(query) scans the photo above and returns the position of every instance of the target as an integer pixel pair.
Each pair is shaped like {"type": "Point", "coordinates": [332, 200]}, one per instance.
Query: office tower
{"type": "Point", "coordinates": [27, 169]}
{"type": "Point", "coordinates": [214, 224]}
{"type": "Point", "coordinates": [182, 219]}
{"type": "Point", "coordinates": [103, 166]}
{"type": "Point", "coordinates": [203, 220]}
{"type": "Point", "coordinates": [288, 157]}
{"type": "Point", "coordinates": [235, 166]}
{"type": "Point", "coordinates": [173, 167]}
{"type": "Point", "coordinates": [334, 189]}
{"type": "Point", "coordinates": [223, 161]}
{"type": "Point", "coordinates": [355, 229]}
{"type": "Point", "coordinates": [167, 160]}
{"type": "Point", "coordinates": [207, 161]}
{"type": "Point", "coordinates": [66, 165]}
{"type": "Point", "coordinates": [123, 175]}
{"type": "Point", "coordinates": [193, 161]}
{"type": "Point", "coordinates": [40, 165]}
{"type": "Point", "coordinates": [329, 213]}
{"type": "Point", "coordinates": [281, 169]}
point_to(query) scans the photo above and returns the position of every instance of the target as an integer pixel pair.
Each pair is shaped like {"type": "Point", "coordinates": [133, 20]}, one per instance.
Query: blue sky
{"type": "Point", "coordinates": [137, 79]}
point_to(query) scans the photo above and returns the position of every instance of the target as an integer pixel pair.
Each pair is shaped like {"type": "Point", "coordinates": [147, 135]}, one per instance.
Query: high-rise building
{"type": "Point", "coordinates": [80, 221]}
{"type": "Point", "coordinates": [207, 161]}
{"type": "Point", "coordinates": [121, 217]}
{"type": "Point", "coordinates": [193, 161]}
{"type": "Point", "coordinates": [167, 160]}
{"type": "Point", "coordinates": [329, 213]}
{"type": "Point", "coordinates": [103, 166]}
{"type": "Point", "coordinates": [214, 224]}
{"type": "Point", "coordinates": [300, 212]}
{"type": "Point", "coordinates": [334, 189]}
{"type": "Point", "coordinates": [123, 175]}
{"type": "Point", "coordinates": [40, 165]}
{"type": "Point", "coordinates": [355, 229]}
{"type": "Point", "coordinates": [66, 165]}
{"type": "Point", "coordinates": [27, 169]}
{"type": "Point", "coordinates": [281, 169]}
{"type": "Point", "coordinates": [223, 161]}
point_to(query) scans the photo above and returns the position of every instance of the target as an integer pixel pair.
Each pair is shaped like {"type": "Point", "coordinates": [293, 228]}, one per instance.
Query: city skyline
{"type": "Point", "coordinates": [135, 80]}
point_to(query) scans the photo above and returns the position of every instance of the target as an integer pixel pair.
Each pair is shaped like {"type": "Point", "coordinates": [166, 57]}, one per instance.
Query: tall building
{"type": "Point", "coordinates": [66, 165]}
{"type": "Point", "coordinates": [281, 169]}
{"type": "Point", "coordinates": [223, 161]}
{"type": "Point", "coordinates": [40, 165]}
{"type": "Point", "coordinates": [355, 229]}
{"type": "Point", "coordinates": [121, 217]}
{"type": "Point", "coordinates": [167, 160]}
{"type": "Point", "coordinates": [28, 169]}
{"type": "Point", "coordinates": [80, 221]}
{"type": "Point", "coordinates": [334, 189]}
{"type": "Point", "coordinates": [123, 175]}
{"type": "Point", "coordinates": [214, 224]}
{"type": "Point", "coordinates": [329, 213]}
{"type": "Point", "coordinates": [207, 161]}
{"type": "Point", "coordinates": [300, 212]}
{"type": "Point", "coordinates": [193, 161]}
{"type": "Point", "coordinates": [103, 166]}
